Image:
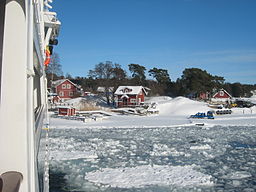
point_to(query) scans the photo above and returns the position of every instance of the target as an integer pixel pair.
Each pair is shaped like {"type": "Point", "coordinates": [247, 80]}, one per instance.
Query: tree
{"type": "Point", "coordinates": [161, 75]}
{"type": "Point", "coordinates": [119, 74]}
{"type": "Point", "coordinates": [118, 77]}
{"type": "Point", "coordinates": [54, 69]}
{"type": "Point", "coordinates": [105, 72]}
{"type": "Point", "coordinates": [54, 66]}
{"type": "Point", "coordinates": [163, 79]}
{"type": "Point", "coordinates": [138, 73]}
{"type": "Point", "coordinates": [194, 80]}
{"type": "Point", "coordinates": [237, 90]}
{"type": "Point", "coordinates": [102, 71]}
{"type": "Point", "coordinates": [218, 81]}
{"type": "Point", "coordinates": [68, 76]}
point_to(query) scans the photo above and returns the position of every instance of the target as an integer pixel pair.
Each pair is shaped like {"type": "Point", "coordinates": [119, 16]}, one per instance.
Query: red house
{"type": "Point", "coordinates": [204, 95]}
{"type": "Point", "coordinates": [67, 111]}
{"type": "Point", "coordinates": [221, 96]}
{"type": "Point", "coordinates": [130, 96]}
{"type": "Point", "coordinates": [66, 89]}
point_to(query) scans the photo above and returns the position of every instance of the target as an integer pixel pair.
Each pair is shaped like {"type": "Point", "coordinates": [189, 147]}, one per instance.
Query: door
{"type": "Point", "coordinates": [125, 101]}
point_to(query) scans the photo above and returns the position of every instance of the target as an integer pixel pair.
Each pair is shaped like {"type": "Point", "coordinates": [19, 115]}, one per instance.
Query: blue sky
{"type": "Point", "coordinates": [218, 36]}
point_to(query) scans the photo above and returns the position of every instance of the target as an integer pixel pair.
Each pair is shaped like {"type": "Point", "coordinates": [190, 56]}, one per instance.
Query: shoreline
{"type": "Point", "coordinates": [126, 122]}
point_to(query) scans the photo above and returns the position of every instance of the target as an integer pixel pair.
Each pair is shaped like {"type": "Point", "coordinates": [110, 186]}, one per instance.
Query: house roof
{"type": "Point", "coordinates": [221, 90]}
{"type": "Point", "coordinates": [130, 90]}
{"type": "Point", "coordinates": [60, 81]}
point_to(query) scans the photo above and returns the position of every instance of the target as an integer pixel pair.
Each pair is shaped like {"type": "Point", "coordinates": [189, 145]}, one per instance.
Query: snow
{"type": "Point", "coordinates": [180, 106]}
{"type": "Point", "coordinates": [172, 113]}
{"type": "Point", "coordinates": [132, 90]}
{"type": "Point", "coordinates": [144, 175]}
{"type": "Point", "coordinates": [158, 152]}
{"type": "Point", "coordinates": [87, 102]}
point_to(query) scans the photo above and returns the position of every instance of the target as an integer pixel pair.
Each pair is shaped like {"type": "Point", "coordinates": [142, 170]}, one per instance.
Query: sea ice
{"type": "Point", "coordinates": [237, 175]}
{"type": "Point", "coordinates": [145, 175]}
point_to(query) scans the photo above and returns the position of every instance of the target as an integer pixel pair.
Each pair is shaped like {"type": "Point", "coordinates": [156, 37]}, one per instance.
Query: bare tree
{"type": "Point", "coordinates": [104, 72]}
{"type": "Point", "coordinates": [54, 69]}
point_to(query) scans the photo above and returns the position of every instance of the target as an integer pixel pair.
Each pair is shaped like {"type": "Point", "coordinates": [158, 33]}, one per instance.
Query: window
{"type": "Point", "coordinates": [61, 93]}
{"type": "Point", "coordinates": [63, 86]}
{"type": "Point", "coordinates": [221, 93]}
{"type": "Point", "coordinates": [71, 93]}
{"type": "Point", "coordinates": [68, 86]}
{"type": "Point", "coordinates": [133, 100]}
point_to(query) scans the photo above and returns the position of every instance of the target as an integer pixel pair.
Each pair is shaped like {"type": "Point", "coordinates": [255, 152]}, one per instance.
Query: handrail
{"type": "Point", "coordinates": [10, 181]}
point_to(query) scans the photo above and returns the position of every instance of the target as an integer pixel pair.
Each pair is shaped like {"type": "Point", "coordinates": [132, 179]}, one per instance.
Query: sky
{"type": "Point", "coordinates": [218, 36]}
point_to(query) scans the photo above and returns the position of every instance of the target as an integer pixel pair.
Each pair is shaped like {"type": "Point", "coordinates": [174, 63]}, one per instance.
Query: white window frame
{"type": "Point", "coordinates": [63, 86]}
{"type": "Point", "coordinates": [71, 93]}
{"type": "Point", "coordinates": [221, 93]}
{"type": "Point", "coordinates": [68, 86]}
{"type": "Point", "coordinates": [61, 93]}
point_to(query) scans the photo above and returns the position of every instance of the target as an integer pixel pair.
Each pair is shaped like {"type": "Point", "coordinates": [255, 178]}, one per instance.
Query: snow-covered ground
{"type": "Point", "coordinates": [164, 152]}
{"type": "Point", "coordinates": [172, 112]}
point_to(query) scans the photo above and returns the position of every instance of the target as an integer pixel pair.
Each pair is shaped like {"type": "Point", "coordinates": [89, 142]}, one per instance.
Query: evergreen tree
{"type": "Point", "coordinates": [194, 80]}
{"type": "Point", "coordinates": [138, 73]}
{"type": "Point", "coordinates": [161, 75]}
{"type": "Point", "coordinates": [163, 79]}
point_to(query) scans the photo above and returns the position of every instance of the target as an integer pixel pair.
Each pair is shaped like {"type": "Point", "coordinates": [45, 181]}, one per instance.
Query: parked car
{"type": "Point", "coordinates": [242, 104]}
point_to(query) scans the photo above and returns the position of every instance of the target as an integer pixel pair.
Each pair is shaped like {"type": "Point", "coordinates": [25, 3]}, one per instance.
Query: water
{"type": "Point", "coordinates": [159, 159]}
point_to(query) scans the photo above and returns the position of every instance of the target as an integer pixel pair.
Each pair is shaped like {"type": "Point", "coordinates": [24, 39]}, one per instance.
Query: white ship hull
{"type": "Point", "coordinates": [23, 101]}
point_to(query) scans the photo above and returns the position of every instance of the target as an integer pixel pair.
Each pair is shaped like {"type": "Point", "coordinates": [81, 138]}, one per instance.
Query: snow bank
{"type": "Point", "coordinates": [181, 106]}
{"type": "Point", "coordinates": [159, 99]}
{"type": "Point", "coordinates": [146, 175]}
{"type": "Point", "coordinates": [87, 103]}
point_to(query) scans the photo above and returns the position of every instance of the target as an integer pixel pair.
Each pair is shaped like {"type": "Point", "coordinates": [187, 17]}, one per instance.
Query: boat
{"type": "Point", "coordinates": [28, 33]}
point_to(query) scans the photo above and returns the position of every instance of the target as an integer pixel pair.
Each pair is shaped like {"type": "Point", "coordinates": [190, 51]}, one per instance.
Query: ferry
{"type": "Point", "coordinates": [28, 33]}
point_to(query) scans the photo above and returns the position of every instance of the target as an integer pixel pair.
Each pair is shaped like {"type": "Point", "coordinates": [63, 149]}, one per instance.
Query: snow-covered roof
{"type": "Point", "coordinates": [219, 92]}
{"type": "Point", "coordinates": [130, 90]}
{"type": "Point", "coordinates": [60, 81]}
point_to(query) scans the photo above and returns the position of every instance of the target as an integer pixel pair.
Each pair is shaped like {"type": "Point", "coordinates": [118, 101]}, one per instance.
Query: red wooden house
{"type": "Point", "coordinates": [221, 96]}
{"type": "Point", "coordinates": [204, 95]}
{"type": "Point", "coordinates": [66, 111]}
{"type": "Point", "coordinates": [130, 96]}
{"type": "Point", "coordinates": [66, 89]}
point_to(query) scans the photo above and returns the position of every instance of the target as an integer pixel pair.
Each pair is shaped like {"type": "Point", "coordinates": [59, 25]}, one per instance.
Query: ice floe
{"type": "Point", "coordinates": [141, 176]}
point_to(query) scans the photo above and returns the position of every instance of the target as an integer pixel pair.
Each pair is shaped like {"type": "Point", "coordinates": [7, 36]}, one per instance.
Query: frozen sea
{"type": "Point", "coordinates": [182, 158]}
